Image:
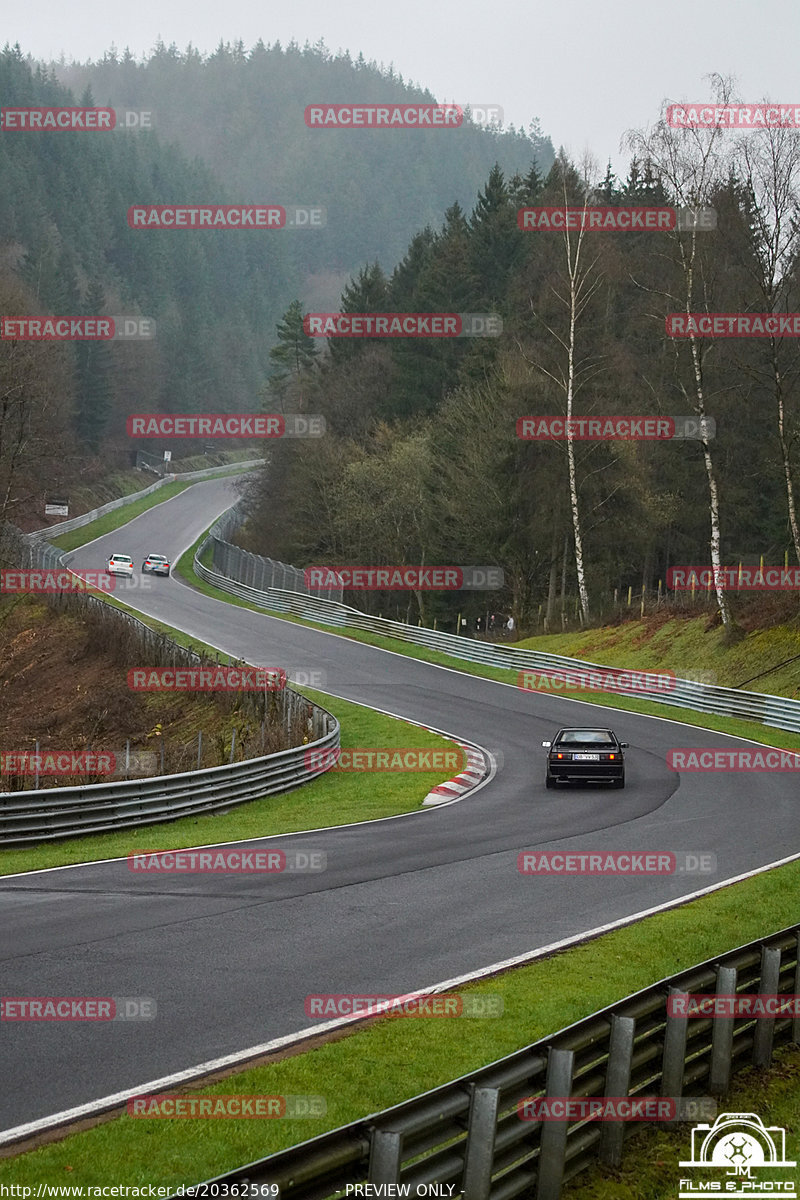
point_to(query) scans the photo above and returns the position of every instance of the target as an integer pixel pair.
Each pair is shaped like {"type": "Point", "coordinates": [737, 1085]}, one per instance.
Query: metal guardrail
{"type": "Point", "coordinates": [96, 808]}
{"type": "Point", "coordinates": [29, 816]}
{"type": "Point", "coordinates": [87, 517]}
{"type": "Point", "coordinates": [777, 711]}
{"type": "Point", "coordinates": [468, 1133]}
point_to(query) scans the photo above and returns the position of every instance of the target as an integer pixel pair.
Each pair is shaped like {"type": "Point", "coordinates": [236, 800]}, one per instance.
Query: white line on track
{"type": "Point", "coordinates": [117, 1099]}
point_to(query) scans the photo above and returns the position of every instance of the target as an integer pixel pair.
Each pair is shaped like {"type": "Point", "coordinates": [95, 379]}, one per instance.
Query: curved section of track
{"type": "Point", "coordinates": [404, 902]}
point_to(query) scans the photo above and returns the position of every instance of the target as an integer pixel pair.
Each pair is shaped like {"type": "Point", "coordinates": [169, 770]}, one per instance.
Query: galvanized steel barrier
{"type": "Point", "coordinates": [35, 816]}
{"type": "Point", "coordinates": [241, 574]}
{"type": "Point", "coordinates": [469, 1134]}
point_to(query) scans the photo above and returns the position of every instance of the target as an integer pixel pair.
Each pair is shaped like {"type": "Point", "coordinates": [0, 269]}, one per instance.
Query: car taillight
{"type": "Point", "coordinates": [612, 756]}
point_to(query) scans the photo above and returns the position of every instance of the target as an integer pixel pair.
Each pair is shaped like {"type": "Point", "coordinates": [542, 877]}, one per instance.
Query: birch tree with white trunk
{"type": "Point", "coordinates": [692, 163]}
{"type": "Point", "coordinates": [579, 282]}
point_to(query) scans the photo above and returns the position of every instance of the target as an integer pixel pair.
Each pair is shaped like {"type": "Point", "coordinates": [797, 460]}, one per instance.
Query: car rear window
{"type": "Point", "coordinates": [587, 737]}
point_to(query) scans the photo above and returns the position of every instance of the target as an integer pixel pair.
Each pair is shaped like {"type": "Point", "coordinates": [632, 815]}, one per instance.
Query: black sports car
{"type": "Point", "coordinates": [585, 756]}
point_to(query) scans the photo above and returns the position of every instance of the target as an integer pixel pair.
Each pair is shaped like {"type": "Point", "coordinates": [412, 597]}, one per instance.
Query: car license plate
{"type": "Point", "coordinates": [586, 757]}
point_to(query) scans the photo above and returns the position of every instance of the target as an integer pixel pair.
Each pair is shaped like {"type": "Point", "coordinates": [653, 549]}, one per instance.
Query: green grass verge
{"type": "Point", "coordinates": [393, 1059]}
{"type": "Point", "coordinates": [335, 798]}
{"type": "Point", "coordinates": [119, 483]}
{"type": "Point", "coordinates": [683, 644]}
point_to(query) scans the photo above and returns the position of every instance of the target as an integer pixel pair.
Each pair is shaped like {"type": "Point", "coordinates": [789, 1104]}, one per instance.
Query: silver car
{"type": "Point", "coordinates": [156, 564]}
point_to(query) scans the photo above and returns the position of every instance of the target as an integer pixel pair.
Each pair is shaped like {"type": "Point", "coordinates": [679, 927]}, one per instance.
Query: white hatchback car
{"type": "Point", "coordinates": [120, 564]}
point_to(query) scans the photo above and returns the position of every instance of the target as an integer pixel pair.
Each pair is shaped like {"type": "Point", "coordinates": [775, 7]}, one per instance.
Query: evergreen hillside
{"type": "Point", "coordinates": [242, 113]}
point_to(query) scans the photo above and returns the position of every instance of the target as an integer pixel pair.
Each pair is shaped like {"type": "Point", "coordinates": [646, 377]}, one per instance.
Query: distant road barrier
{"type": "Point", "coordinates": [87, 517]}
{"type": "Point", "coordinates": [243, 574]}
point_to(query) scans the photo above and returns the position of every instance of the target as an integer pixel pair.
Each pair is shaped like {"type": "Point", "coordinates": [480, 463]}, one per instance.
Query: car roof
{"type": "Point", "coordinates": [119, 556]}
{"type": "Point", "coordinates": [158, 556]}
{"type": "Point", "coordinates": [587, 729]}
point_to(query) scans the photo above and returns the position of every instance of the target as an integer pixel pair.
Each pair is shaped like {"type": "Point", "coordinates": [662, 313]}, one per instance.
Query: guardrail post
{"type": "Point", "coordinates": [384, 1156]}
{"type": "Point", "coordinates": [553, 1137]}
{"type": "Point", "coordinates": [618, 1082]}
{"type": "Point", "coordinates": [480, 1142]}
{"type": "Point", "coordinates": [674, 1060]}
{"type": "Point", "coordinates": [719, 1075]}
{"type": "Point", "coordinates": [768, 986]}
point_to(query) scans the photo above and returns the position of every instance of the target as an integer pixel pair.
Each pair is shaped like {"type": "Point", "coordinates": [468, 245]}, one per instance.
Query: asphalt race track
{"type": "Point", "coordinates": [403, 904]}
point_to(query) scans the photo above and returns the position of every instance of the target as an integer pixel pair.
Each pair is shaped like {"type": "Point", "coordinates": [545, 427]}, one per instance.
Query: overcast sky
{"type": "Point", "coordinates": [587, 70]}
